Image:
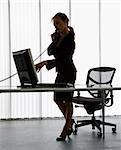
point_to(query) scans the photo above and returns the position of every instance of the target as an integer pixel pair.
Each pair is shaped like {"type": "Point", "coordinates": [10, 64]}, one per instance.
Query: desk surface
{"type": "Point", "coordinates": [6, 89]}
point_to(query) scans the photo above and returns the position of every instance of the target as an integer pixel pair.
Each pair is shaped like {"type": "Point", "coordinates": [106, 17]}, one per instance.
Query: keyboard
{"type": "Point", "coordinates": [48, 85]}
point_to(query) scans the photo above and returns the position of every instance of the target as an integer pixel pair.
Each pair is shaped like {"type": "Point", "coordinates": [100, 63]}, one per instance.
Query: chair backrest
{"type": "Point", "coordinates": [100, 76]}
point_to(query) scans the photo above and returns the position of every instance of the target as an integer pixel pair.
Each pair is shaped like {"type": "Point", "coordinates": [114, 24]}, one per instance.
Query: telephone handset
{"type": "Point", "coordinates": [55, 36]}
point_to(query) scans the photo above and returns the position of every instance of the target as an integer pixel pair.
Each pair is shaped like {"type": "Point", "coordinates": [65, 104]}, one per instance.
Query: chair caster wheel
{"type": "Point", "coordinates": [99, 134]}
{"type": "Point", "coordinates": [114, 130]}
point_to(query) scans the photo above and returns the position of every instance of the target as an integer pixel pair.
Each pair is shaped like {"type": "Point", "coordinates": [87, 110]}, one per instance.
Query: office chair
{"type": "Point", "coordinates": [101, 76]}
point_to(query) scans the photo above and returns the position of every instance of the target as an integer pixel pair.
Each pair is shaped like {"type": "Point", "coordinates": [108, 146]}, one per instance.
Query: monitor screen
{"type": "Point", "coordinates": [25, 67]}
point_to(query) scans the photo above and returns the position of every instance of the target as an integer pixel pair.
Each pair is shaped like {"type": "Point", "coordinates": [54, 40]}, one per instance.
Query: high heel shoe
{"type": "Point", "coordinates": [61, 138]}
{"type": "Point", "coordinates": [69, 132]}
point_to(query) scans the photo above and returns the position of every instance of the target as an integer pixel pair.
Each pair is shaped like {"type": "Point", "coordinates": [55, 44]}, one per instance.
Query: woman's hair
{"type": "Point", "coordinates": [63, 17]}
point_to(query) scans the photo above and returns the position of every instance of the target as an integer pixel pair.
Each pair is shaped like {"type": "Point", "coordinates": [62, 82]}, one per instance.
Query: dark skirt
{"type": "Point", "coordinates": [64, 78]}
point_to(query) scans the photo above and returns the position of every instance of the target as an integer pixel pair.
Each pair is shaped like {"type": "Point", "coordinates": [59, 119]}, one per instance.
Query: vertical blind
{"type": "Point", "coordinates": [27, 24]}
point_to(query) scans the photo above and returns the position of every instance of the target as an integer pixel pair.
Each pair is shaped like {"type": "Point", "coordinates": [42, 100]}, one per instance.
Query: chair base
{"type": "Point", "coordinates": [94, 123]}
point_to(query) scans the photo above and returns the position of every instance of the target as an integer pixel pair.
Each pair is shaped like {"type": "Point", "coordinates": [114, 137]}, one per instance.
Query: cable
{"type": "Point", "coordinates": [8, 77]}
{"type": "Point", "coordinates": [40, 55]}
{"type": "Point", "coordinates": [16, 72]}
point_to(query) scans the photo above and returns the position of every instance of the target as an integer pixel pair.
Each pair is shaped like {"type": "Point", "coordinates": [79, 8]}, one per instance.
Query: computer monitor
{"type": "Point", "coordinates": [25, 67]}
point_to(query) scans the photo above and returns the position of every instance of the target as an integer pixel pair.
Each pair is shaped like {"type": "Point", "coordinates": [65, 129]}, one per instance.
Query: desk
{"type": "Point", "coordinates": [51, 89]}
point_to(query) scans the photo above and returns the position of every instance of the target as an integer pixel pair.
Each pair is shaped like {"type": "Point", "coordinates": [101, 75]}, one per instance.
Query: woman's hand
{"type": "Point", "coordinates": [40, 65]}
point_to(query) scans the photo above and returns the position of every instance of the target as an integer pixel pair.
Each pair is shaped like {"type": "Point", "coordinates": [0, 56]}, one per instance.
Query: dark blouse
{"type": "Point", "coordinates": [63, 54]}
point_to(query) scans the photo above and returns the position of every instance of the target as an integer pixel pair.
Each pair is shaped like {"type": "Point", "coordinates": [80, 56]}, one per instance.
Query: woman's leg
{"type": "Point", "coordinates": [68, 114]}
{"type": "Point", "coordinates": [62, 107]}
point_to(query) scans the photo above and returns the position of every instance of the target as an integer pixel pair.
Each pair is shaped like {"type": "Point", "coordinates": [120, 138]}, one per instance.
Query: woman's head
{"type": "Point", "coordinates": [60, 21]}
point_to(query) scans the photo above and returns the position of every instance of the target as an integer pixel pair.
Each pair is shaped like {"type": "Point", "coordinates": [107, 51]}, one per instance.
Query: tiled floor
{"type": "Point", "coordinates": [41, 135]}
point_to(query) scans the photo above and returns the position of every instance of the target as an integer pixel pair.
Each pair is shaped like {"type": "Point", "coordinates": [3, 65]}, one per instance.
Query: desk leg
{"type": "Point", "coordinates": [103, 112]}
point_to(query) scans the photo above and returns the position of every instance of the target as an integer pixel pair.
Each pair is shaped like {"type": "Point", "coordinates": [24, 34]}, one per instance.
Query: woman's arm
{"type": "Point", "coordinates": [40, 65]}
{"type": "Point", "coordinates": [48, 63]}
{"type": "Point", "coordinates": [52, 47]}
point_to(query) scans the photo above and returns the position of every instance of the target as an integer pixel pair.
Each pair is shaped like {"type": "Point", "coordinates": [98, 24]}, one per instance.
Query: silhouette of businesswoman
{"type": "Point", "coordinates": [62, 48]}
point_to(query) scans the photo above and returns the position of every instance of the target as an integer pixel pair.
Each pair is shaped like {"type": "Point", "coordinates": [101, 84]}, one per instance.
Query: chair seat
{"type": "Point", "coordinates": [88, 103]}
{"type": "Point", "coordinates": [82, 100]}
